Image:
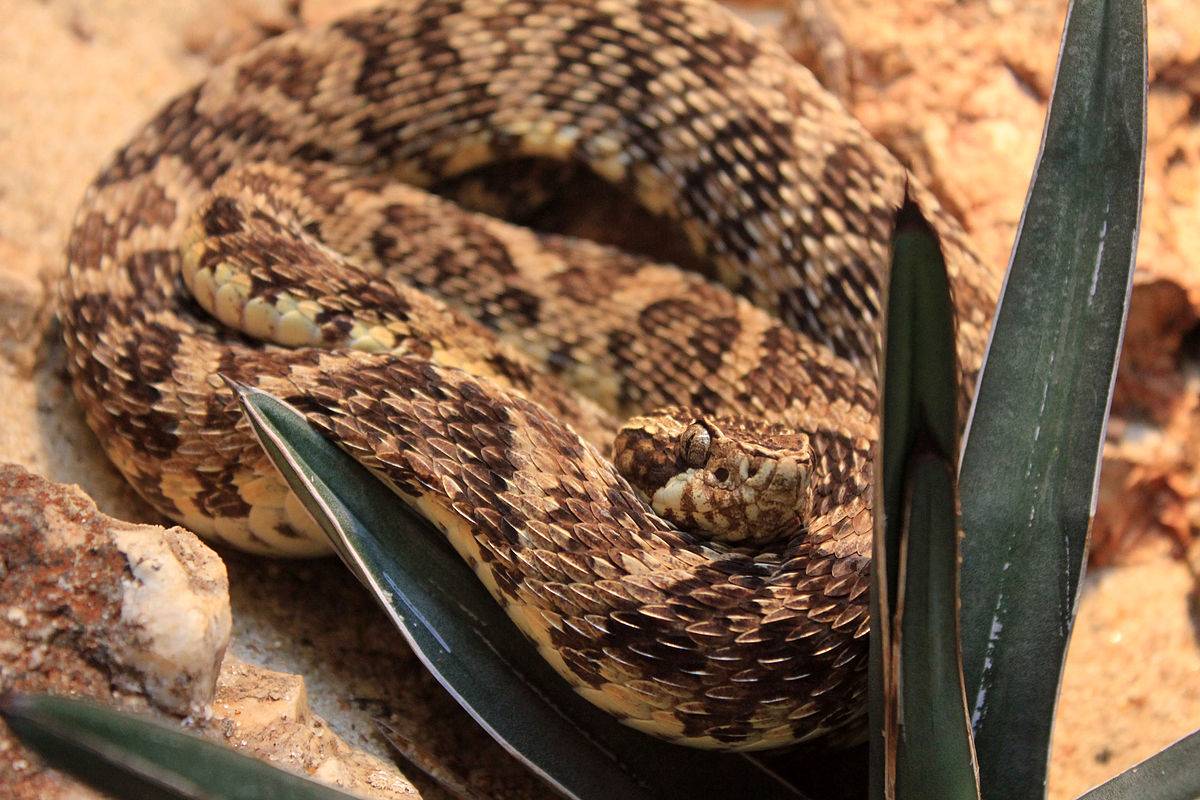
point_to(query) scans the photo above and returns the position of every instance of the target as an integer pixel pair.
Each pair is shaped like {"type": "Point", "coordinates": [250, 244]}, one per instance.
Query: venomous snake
{"type": "Point", "coordinates": [280, 192]}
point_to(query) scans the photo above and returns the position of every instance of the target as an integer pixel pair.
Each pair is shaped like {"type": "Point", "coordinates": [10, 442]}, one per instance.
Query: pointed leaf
{"type": "Point", "coordinates": [1029, 467]}
{"type": "Point", "coordinates": [137, 758]}
{"type": "Point", "coordinates": [922, 745]}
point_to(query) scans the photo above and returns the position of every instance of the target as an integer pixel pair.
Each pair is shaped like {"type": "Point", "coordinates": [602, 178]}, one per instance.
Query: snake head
{"type": "Point", "coordinates": [734, 480]}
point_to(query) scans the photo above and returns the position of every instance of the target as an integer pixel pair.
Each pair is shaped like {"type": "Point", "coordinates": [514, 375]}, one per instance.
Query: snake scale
{"type": "Point", "coordinates": [278, 195]}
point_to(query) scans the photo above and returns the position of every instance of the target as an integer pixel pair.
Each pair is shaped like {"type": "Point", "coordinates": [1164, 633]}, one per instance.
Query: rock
{"type": "Point", "coordinates": [133, 615]}
{"type": "Point", "coordinates": [266, 714]}
{"type": "Point", "coordinates": [88, 598]}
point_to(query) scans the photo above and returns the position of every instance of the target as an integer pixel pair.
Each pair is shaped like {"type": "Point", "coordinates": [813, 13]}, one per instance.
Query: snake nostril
{"type": "Point", "coordinates": [721, 474]}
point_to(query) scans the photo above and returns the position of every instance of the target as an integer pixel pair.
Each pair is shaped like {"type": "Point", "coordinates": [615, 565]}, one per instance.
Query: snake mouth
{"type": "Point", "coordinates": [750, 501]}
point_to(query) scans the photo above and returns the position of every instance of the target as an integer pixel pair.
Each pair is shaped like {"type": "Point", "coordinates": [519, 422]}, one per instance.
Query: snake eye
{"type": "Point", "coordinates": [694, 444]}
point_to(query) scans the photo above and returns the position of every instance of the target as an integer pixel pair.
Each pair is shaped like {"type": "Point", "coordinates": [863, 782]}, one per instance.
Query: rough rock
{"type": "Point", "coordinates": [133, 615]}
{"type": "Point", "coordinates": [266, 714]}
{"type": "Point", "coordinates": [82, 592]}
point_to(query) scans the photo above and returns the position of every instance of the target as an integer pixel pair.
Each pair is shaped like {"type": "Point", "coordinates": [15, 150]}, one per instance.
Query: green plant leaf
{"type": "Point", "coordinates": [461, 634]}
{"type": "Point", "coordinates": [133, 757]}
{"type": "Point", "coordinates": [1170, 774]}
{"type": "Point", "coordinates": [1030, 463]}
{"type": "Point", "coordinates": [922, 741]}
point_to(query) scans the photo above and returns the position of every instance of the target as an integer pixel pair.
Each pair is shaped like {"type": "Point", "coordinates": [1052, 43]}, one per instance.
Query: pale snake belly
{"type": "Point", "coordinates": [689, 113]}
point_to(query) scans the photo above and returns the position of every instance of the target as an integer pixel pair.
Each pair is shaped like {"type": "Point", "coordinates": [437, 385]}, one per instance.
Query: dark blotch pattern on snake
{"type": "Point", "coordinates": [277, 184]}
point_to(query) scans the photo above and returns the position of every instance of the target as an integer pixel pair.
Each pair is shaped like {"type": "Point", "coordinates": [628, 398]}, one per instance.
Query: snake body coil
{"type": "Point", "coordinates": [273, 187]}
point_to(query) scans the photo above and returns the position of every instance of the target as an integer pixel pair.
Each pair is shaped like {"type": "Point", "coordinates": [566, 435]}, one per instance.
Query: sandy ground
{"type": "Point", "coordinates": [76, 78]}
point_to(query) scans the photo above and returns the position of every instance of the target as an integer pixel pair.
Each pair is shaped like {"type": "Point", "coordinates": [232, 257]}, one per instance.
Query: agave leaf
{"type": "Point", "coordinates": [1031, 458]}
{"type": "Point", "coordinates": [133, 757]}
{"type": "Point", "coordinates": [469, 644]}
{"type": "Point", "coordinates": [922, 740]}
{"type": "Point", "coordinates": [1170, 774]}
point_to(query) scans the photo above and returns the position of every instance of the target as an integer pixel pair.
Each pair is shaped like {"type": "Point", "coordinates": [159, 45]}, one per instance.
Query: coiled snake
{"type": "Point", "coordinates": [275, 191]}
